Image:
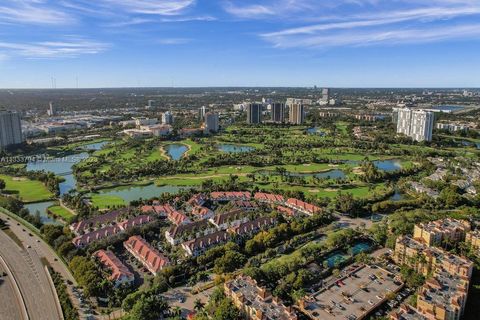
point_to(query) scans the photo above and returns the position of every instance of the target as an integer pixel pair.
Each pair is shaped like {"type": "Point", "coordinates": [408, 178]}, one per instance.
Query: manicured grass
{"type": "Point", "coordinates": [28, 190]}
{"type": "Point", "coordinates": [61, 212]}
{"type": "Point", "coordinates": [106, 201]}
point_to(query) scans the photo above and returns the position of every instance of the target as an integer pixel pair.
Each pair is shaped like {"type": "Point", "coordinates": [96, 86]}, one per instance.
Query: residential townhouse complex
{"type": "Point", "coordinates": [120, 273]}
{"type": "Point", "coordinates": [151, 258]}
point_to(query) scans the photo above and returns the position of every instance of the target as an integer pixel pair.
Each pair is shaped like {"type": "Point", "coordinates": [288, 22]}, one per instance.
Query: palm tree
{"type": "Point", "coordinates": [198, 305]}
{"type": "Point", "coordinates": [176, 312]}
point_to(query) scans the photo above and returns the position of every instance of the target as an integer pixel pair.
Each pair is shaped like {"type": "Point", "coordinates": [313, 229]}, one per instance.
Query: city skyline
{"type": "Point", "coordinates": [188, 43]}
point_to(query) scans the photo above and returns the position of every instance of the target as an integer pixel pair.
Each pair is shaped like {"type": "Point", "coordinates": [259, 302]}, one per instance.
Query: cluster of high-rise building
{"type": "Point", "coordinates": [296, 112]}
{"type": "Point", "coordinates": [415, 123]}
{"type": "Point", "coordinates": [10, 129]}
{"type": "Point", "coordinates": [444, 294]}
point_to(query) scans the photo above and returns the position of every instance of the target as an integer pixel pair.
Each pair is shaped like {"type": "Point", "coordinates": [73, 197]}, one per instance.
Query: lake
{"type": "Point", "coordinates": [41, 207]}
{"type": "Point", "coordinates": [397, 196]}
{"type": "Point", "coordinates": [131, 193]}
{"type": "Point", "coordinates": [61, 167]}
{"type": "Point", "coordinates": [316, 130]}
{"type": "Point", "coordinates": [388, 165]}
{"type": "Point", "coordinates": [94, 146]}
{"type": "Point", "coordinates": [332, 174]}
{"type": "Point", "coordinates": [448, 109]}
{"type": "Point", "coordinates": [234, 148]}
{"type": "Point", "coordinates": [175, 151]}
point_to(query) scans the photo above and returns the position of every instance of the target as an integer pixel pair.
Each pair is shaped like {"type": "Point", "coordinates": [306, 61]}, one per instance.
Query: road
{"type": "Point", "coordinates": [44, 251]}
{"type": "Point", "coordinates": [31, 277]}
{"type": "Point", "coordinates": [10, 302]}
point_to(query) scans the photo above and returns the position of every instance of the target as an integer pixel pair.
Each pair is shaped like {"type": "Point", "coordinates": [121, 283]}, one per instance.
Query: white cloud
{"type": "Point", "coordinates": [71, 47]}
{"type": "Point", "coordinates": [155, 7]}
{"type": "Point", "coordinates": [32, 12]}
{"type": "Point", "coordinates": [174, 41]}
{"type": "Point", "coordinates": [388, 36]}
{"type": "Point", "coordinates": [410, 24]}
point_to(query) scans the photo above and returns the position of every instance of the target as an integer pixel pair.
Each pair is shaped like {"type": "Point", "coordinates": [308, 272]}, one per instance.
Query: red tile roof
{"type": "Point", "coordinates": [150, 257]}
{"type": "Point", "coordinates": [84, 225]}
{"type": "Point", "coordinates": [235, 195]}
{"type": "Point", "coordinates": [285, 210]}
{"type": "Point", "coordinates": [303, 206]}
{"type": "Point", "coordinates": [99, 234]}
{"type": "Point", "coordinates": [269, 197]}
{"type": "Point", "coordinates": [207, 241]}
{"type": "Point", "coordinates": [110, 260]}
{"type": "Point", "coordinates": [201, 211]}
{"type": "Point", "coordinates": [252, 226]}
{"type": "Point", "coordinates": [236, 214]}
{"type": "Point", "coordinates": [177, 218]}
{"type": "Point", "coordinates": [196, 200]}
{"type": "Point", "coordinates": [136, 221]}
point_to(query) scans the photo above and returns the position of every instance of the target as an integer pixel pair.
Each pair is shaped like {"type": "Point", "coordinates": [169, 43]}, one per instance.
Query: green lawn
{"type": "Point", "coordinates": [27, 190]}
{"type": "Point", "coordinates": [61, 212]}
{"type": "Point", "coordinates": [106, 201]}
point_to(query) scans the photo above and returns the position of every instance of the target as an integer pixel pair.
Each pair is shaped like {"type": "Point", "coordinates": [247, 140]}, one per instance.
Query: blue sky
{"type": "Point", "coordinates": [334, 43]}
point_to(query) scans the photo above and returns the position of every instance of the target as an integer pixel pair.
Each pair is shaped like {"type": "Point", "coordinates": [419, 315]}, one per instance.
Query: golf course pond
{"type": "Point", "coordinates": [175, 150]}
{"type": "Point", "coordinates": [61, 166]}
{"type": "Point", "coordinates": [234, 148]}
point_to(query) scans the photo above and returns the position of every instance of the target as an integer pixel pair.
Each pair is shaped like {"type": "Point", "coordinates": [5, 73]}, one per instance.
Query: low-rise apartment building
{"type": "Point", "coordinates": [443, 296]}
{"type": "Point", "coordinates": [255, 302]}
{"type": "Point", "coordinates": [472, 238]}
{"type": "Point", "coordinates": [425, 260]}
{"type": "Point", "coordinates": [440, 232]}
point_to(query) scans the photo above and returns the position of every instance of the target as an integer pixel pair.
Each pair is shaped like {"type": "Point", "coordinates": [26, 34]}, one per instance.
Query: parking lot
{"type": "Point", "coordinates": [354, 296]}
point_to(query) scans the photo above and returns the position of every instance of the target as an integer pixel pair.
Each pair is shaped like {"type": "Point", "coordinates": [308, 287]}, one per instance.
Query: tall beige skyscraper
{"type": "Point", "coordinates": [296, 114]}
{"type": "Point", "coordinates": [10, 129]}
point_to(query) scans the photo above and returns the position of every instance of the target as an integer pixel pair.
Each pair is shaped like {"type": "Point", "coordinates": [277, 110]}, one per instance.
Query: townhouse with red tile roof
{"type": "Point", "coordinates": [120, 273]}
{"type": "Point", "coordinates": [151, 258]}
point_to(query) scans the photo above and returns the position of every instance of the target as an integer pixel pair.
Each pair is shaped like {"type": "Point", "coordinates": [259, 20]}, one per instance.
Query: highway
{"type": "Point", "coordinates": [29, 273]}
{"type": "Point", "coordinates": [10, 303]}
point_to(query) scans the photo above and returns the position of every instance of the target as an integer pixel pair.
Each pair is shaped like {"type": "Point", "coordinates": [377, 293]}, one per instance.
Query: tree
{"type": "Point", "coordinates": [198, 305]}
{"type": "Point", "coordinates": [229, 262]}
{"type": "Point", "coordinates": [226, 311]}
{"type": "Point", "coordinates": [2, 185]}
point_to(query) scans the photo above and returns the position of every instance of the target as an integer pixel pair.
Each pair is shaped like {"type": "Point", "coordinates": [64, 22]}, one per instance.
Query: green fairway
{"type": "Point", "coordinates": [106, 201]}
{"type": "Point", "coordinates": [61, 212]}
{"type": "Point", "coordinates": [27, 190]}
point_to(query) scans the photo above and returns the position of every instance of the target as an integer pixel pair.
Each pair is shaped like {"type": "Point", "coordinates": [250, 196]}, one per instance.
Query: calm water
{"type": "Point", "coordinates": [448, 108]}
{"type": "Point", "coordinates": [388, 165]}
{"type": "Point", "coordinates": [129, 194]}
{"type": "Point", "coordinates": [316, 130]}
{"type": "Point", "coordinates": [332, 174]}
{"type": "Point", "coordinates": [397, 196]}
{"type": "Point", "coordinates": [41, 207]}
{"type": "Point", "coordinates": [233, 148]}
{"type": "Point", "coordinates": [95, 146]}
{"type": "Point", "coordinates": [176, 151]}
{"type": "Point", "coordinates": [62, 167]}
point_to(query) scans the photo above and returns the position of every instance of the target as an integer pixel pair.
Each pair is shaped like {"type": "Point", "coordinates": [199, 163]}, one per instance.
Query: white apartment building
{"type": "Point", "coordinates": [167, 118]}
{"type": "Point", "coordinates": [417, 124]}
